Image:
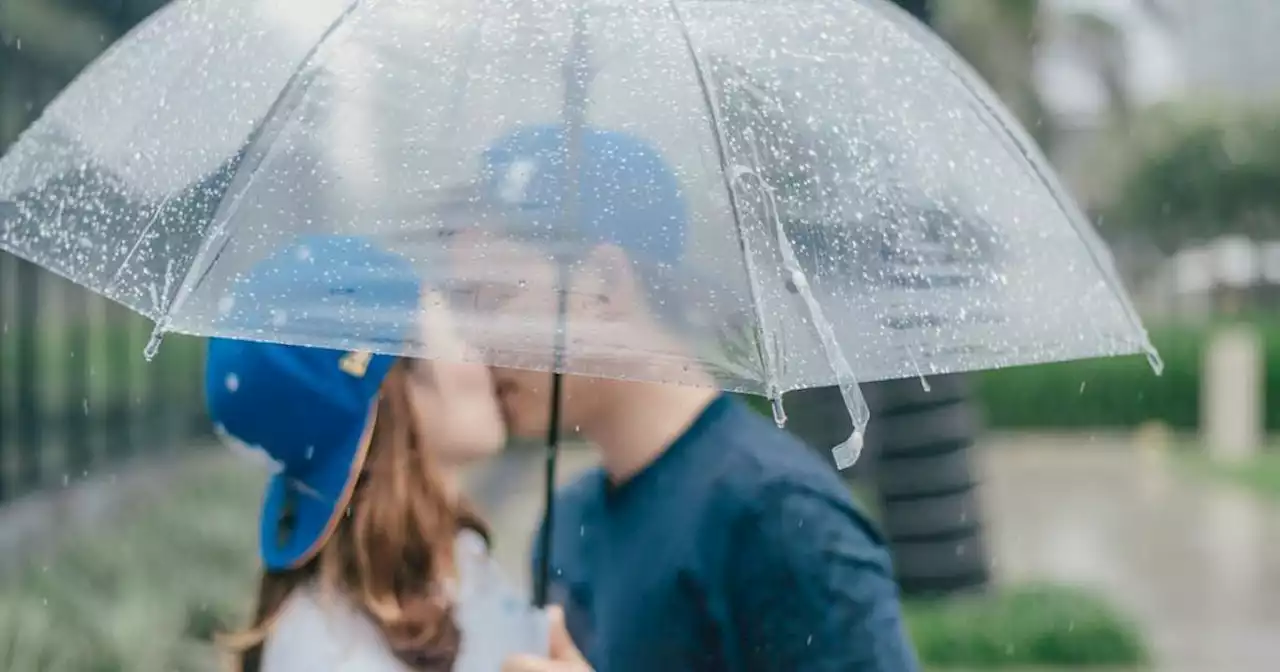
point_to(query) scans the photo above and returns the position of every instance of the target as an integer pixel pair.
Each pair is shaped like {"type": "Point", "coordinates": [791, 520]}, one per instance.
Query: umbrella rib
{"type": "Point", "coordinates": [1011, 132]}
{"type": "Point", "coordinates": [1092, 244]}
{"type": "Point", "coordinates": [717, 129]}
{"type": "Point", "coordinates": [245, 172]}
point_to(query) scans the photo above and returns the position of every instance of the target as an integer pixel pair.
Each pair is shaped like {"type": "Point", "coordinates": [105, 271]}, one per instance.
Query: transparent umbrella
{"type": "Point", "coordinates": [804, 193]}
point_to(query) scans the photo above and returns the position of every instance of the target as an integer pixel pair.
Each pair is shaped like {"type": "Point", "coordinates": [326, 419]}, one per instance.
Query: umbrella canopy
{"type": "Point", "coordinates": [809, 194]}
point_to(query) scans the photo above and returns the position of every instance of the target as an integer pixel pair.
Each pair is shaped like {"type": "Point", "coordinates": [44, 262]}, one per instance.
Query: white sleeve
{"type": "Point", "coordinates": [495, 618]}
{"type": "Point", "coordinates": [323, 634]}
{"type": "Point", "coordinates": [320, 633]}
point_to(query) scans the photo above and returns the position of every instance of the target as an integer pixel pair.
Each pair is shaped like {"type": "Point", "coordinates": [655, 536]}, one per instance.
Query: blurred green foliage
{"type": "Point", "coordinates": [117, 376]}
{"type": "Point", "coordinates": [1118, 392]}
{"type": "Point", "coordinates": [145, 591]}
{"type": "Point", "coordinates": [1259, 474]}
{"type": "Point", "coordinates": [1195, 171]}
{"type": "Point", "coordinates": [1036, 626]}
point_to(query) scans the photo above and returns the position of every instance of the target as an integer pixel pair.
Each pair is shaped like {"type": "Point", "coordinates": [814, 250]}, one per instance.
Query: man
{"type": "Point", "coordinates": [708, 539]}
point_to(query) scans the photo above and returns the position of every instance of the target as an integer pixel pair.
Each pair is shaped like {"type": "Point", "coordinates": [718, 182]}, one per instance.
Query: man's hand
{"type": "Point", "coordinates": [564, 655]}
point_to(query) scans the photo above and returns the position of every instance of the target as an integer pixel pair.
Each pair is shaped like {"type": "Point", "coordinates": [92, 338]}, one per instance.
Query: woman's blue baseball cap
{"type": "Point", "coordinates": [310, 410]}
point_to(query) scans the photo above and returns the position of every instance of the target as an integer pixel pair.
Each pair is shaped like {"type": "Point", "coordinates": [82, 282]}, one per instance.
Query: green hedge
{"type": "Point", "coordinates": [1020, 627]}
{"type": "Point", "coordinates": [1118, 392]}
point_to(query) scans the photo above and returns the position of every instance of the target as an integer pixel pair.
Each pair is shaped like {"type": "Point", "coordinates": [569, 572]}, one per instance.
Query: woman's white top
{"type": "Point", "coordinates": [320, 632]}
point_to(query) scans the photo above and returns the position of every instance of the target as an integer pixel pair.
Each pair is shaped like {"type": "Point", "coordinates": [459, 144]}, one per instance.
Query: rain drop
{"type": "Point", "coordinates": [232, 382]}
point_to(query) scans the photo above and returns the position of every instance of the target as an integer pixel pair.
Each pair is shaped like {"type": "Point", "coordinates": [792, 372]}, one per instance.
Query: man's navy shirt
{"type": "Point", "coordinates": [738, 549]}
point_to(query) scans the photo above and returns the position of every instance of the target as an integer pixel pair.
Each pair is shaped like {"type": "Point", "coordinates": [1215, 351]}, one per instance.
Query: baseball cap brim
{"type": "Point", "coordinates": [297, 519]}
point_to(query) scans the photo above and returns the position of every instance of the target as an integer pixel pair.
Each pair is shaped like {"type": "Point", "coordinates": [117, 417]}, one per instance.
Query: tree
{"type": "Point", "coordinates": [1001, 39]}
{"type": "Point", "coordinates": [998, 38]}
{"type": "Point", "coordinates": [46, 43]}
{"type": "Point", "coordinates": [1198, 174]}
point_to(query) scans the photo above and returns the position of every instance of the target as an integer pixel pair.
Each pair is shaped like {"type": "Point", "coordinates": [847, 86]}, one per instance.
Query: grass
{"type": "Point", "coordinates": [1259, 474]}
{"type": "Point", "coordinates": [146, 590]}
{"type": "Point", "coordinates": [1020, 627]}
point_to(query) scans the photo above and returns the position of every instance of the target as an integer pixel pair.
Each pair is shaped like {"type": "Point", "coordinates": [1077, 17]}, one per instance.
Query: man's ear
{"type": "Point", "coordinates": [614, 287]}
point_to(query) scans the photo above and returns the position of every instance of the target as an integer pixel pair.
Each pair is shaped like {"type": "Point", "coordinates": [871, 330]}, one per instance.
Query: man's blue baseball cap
{"type": "Point", "coordinates": [627, 195]}
{"type": "Point", "coordinates": [311, 410]}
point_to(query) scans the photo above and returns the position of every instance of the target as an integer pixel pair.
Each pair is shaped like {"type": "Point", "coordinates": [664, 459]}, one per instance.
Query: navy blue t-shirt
{"type": "Point", "coordinates": [738, 549]}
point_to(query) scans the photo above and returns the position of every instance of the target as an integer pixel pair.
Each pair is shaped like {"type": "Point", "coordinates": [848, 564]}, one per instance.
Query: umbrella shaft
{"type": "Point", "coordinates": [576, 73]}
{"type": "Point", "coordinates": [549, 485]}
{"type": "Point", "coordinates": [543, 581]}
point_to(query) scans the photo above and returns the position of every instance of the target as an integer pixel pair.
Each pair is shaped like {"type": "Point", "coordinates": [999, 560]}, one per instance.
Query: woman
{"type": "Point", "coordinates": [370, 551]}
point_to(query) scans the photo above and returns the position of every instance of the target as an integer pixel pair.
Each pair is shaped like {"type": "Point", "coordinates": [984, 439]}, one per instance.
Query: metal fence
{"type": "Point", "coordinates": [76, 396]}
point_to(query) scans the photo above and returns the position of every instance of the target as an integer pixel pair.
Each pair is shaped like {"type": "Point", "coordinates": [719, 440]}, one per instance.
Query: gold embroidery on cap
{"type": "Point", "coordinates": [355, 363]}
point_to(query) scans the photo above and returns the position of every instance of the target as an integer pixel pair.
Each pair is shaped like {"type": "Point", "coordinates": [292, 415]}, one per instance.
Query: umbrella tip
{"type": "Point", "coordinates": [847, 453]}
{"type": "Point", "coordinates": [779, 413]}
{"type": "Point", "coordinates": [1154, 359]}
{"type": "Point", "coordinates": [153, 345]}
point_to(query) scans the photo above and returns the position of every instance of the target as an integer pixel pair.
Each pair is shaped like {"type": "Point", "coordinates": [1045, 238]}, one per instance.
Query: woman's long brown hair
{"type": "Point", "coordinates": [391, 555]}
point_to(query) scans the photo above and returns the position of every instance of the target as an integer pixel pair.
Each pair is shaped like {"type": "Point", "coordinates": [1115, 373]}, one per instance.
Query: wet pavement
{"type": "Point", "coordinates": [1197, 563]}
